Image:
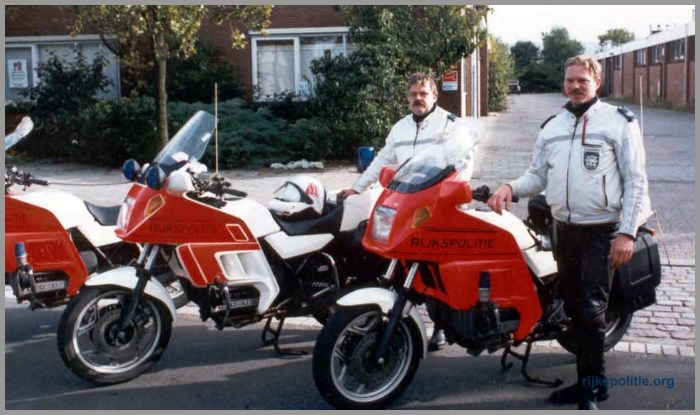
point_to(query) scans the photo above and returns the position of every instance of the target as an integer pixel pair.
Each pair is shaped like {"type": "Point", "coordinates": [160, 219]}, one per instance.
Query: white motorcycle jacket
{"type": "Point", "coordinates": [408, 138]}
{"type": "Point", "coordinates": [592, 169]}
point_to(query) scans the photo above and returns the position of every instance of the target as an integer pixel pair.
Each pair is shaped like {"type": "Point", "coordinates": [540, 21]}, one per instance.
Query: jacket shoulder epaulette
{"type": "Point", "coordinates": [546, 121]}
{"type": "Point", "coordinates": [452, 117]}
{"type": "Point", "coordinates": [626, 113]}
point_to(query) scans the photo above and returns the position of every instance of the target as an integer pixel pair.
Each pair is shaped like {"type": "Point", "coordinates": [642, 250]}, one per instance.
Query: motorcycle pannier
{"type": "Point", "coordinates": [638, 279]}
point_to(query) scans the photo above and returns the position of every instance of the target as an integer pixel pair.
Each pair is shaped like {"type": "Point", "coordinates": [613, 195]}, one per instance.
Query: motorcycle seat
{"type": "Point", "coordinates": [326, 223]}
{"type": "Point", "coordinates": [104, 215]}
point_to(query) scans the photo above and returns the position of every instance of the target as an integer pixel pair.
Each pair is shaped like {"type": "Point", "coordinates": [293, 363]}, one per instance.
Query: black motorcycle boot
{"type": "Point", "coordinates": [437, 341]}
{"type": "Point", "coordinates": [586, 399]}
{"type": "Point", "coordinates": [570, 395]}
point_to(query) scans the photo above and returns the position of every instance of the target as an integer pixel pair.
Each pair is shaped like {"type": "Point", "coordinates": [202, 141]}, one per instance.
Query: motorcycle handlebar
{"type": "Point", "coordinates": [234, 192]}
{"type": "Point", "coordinates": [23, 179]}
{"type": "Point", "coordinates": [38, 181]}
{"type": "Point", "coordinates": [483, 194]}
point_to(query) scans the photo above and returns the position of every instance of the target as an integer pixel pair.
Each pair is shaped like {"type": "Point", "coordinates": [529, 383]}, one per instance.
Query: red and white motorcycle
{"type": "Point", "coordinates": [491, 277]}
{"type": "Point", "coordinates": [54, 240]}
{"type": "Point", "coordinates": [238, 261]}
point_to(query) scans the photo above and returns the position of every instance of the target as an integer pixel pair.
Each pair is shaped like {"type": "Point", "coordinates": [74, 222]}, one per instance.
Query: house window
{"type": "Point", "coordinates": [676, 50]}
{"type": "Point", "coordinates": [641, 57]}
{"type": "Point", "coordinates": [618, 61]}
{"type": "Point", "coordinates": [657, 54]}
{"type": "Point", "coordinates": [282, 62]}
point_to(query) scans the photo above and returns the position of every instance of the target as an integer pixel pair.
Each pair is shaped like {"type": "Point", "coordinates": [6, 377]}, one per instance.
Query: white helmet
{"type": "Point", "coordinates": [302, 197]}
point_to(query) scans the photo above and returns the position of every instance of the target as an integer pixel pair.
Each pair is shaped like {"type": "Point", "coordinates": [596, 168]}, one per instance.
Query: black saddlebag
{"type": "Point", "coordinates": [539, 215]}
{"type": "Point", "coordinates": [637, 281]}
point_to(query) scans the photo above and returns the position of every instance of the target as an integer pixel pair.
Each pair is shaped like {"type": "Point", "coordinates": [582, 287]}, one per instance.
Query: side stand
{"type": "Point", "coordinates": [525, 358]}
{"type": "Point", "coordinates": [271, 336]}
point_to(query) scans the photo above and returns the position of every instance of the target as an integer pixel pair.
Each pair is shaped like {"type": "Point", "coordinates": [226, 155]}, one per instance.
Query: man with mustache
{"type": "Point", "coordinates": [589, 159]}
{"type": "Point", "coordinates": [427, 124]}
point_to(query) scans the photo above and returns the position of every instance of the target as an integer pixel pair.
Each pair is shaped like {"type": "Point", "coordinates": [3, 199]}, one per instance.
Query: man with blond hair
{"type": "Point", "coordinates": [589, 160]}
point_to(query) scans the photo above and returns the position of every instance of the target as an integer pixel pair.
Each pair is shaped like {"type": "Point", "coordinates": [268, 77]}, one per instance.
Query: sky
{"type": "Point", "coordinates": [513, 23]}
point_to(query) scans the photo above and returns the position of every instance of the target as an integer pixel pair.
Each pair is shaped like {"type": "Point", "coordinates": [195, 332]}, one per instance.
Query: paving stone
{"type": "Point", "coordinates": [686, 351]}
{"type": "Point", "coordinates": [622, 347]}
{"type": "Point", "coordinates": [637, 347]}
{"type": "Point", "coordinates": [669, 350]}
{"type": "Point", "coordinates": [654, 349]}
{"type": "Point", "coordinates": [683, 335]}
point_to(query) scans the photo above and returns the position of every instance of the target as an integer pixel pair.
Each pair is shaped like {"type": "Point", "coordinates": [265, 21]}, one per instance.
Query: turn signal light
{"type": "Point", "coordinates": [420, 216]}
{"type": "Point", "coordinates": [154, 204]}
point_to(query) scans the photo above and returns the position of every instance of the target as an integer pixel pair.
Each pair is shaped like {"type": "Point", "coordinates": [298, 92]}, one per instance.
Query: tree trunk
{"type": "Point", "coordinates": [162, 98]}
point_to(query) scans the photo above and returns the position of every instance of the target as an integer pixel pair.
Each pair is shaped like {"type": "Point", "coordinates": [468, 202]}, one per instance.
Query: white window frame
{"type": "Point", "coordinates": [676, 50]}
{"type": "Point", "coordinates": [640, 57]}
{"type": "Point", "coordinates": [295, 35]}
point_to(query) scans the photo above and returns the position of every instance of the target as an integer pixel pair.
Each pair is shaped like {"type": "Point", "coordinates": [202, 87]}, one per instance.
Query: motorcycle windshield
{"type": "Point", "coordinates": [189, 142]}
{"type": "Point", "coordinates": [23, 128]}
{"type": "Point", "coordinates": [423, 170]}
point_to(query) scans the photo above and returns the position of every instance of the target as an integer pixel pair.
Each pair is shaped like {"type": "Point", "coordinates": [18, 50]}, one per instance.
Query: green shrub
{"type": "Point", "coordinates": [255, 137]}
{"type": "Point", "coordinates": [112, 132]}
{"type": "Point", "coordinates": [66, 89]}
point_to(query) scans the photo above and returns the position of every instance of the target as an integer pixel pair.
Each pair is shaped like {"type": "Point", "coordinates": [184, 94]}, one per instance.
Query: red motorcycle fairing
{"type": "Point", "coordinates": [171, 222]}
{"type": "Point", "coordinates": [462, 246]}
{"type": "Point", "coordinates": [48, 245]}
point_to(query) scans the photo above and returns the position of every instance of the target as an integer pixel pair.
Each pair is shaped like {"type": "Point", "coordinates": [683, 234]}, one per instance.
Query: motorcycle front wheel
{"type": "Point", "coordinates": [92, 346]}
{"type": "Point", "coordinates": [345, 369]}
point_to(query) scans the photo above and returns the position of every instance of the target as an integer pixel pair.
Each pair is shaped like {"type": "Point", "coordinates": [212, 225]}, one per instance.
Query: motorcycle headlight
{"type": "Point", "coordinates": [125, 213]}
{"type": "Point", "coordinates": [382, 220]}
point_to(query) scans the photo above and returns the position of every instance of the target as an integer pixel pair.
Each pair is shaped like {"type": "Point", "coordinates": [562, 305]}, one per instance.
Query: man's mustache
{"type": "Point", "coordinates": [418, 102]}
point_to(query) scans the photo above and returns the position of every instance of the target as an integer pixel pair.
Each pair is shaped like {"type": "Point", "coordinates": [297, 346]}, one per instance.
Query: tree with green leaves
{"type": "Point", "coordinates": [359, 97]}
{"type": "Point", "coordinates": [166, 31]}
{"type": "Point", "coordinates": [500, 71]}
{"type": "Point", "coordinates": [616, 37]}
{"type": "Point", "coordinates": [524, 54]}
{"type": "Point", "coordinates": [557, 48]}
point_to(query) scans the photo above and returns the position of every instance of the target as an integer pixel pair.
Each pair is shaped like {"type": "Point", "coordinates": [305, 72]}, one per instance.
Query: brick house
{"type": "Point", "coordinates": [659, 68]}
{"type": "Point", "coordinates": [269, 64]}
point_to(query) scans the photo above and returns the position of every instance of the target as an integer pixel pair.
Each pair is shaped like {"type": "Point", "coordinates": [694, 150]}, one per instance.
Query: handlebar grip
{"type": "Point", "coordinates": [234, 192]}
{"type": "Point", "coordinates": [483, 194]}
{"type": "Point", "coordinates": [38, 181]}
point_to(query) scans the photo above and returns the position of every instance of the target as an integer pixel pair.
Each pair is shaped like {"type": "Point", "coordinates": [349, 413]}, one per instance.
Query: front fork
{"type": "Point", "coordinates": [397, 310]}
{"type": "Point", "coordinates": [143, 267]}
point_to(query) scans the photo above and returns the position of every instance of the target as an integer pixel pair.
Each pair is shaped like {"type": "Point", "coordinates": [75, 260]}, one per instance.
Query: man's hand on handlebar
{"type": "Point", "coordinates": [343, 194]}
{"type": "Point", "coordinates": [504, 194]}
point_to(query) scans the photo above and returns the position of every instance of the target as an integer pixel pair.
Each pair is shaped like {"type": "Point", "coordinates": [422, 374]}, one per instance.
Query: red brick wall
{"type": "Point", "coordinates": [675, 83]}
{"type": "Point", "coordinates": [654, 83]}
{"type": "Point", "coordinates": [691, 83]}
{"type": "Point", "coordinates": [628, 75]}
{"type": "Point", "coordinates": [617, 83]}
{"type": "Point", "coordinates": [642, 71]}
{"type": "Point", "coordinates": [37, 20]}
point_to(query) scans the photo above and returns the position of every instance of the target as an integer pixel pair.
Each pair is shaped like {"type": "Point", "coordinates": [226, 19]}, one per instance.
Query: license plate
{"type": "Point", "coordinates": [46, 286]}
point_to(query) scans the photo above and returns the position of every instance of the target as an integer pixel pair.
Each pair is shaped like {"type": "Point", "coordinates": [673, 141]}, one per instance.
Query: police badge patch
{"type": "Point", "coordinates": [591, 158]}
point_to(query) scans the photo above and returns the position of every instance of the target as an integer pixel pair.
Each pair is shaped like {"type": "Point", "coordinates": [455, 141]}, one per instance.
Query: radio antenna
{"type": "Point", "coordinates": [641, 108]}
{"type": "Point", "coordinates": [216, 128]}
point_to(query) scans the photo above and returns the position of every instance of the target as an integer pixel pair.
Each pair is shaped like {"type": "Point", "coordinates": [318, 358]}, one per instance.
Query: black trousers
{"type": "Point", "coordinates": [585, 279]}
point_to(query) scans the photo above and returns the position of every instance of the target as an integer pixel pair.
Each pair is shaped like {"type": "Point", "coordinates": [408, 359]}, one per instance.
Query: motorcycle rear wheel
{"type": "Point", "coordinates": [91, 346]}
{"type": "Point", "coordinates": [617, 321]}
{"type": "Point", "coordinates": [344, 368]}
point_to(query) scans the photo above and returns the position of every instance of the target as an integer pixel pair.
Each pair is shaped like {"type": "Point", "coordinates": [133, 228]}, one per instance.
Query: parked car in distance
{"type": "Point", "coordinates": [514, 87]}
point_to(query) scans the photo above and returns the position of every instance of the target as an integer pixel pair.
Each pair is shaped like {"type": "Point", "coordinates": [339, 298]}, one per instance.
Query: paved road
{"type": "Point", "coordinates": [666, 328]}
{"type": "Point", "coordinates": [205, 369]}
